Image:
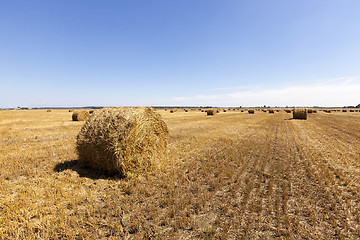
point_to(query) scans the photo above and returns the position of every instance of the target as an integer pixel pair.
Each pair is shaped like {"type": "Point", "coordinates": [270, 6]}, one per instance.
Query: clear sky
{"type": "Point", "coordinates": [187, 52]}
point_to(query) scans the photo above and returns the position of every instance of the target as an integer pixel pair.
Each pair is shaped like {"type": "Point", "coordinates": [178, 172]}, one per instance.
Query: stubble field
{"type": "Point", "coordinates": [229, 176]}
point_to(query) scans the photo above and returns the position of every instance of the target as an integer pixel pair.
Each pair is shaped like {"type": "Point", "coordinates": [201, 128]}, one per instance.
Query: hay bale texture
{"type": "Point", "coordinates": [80, 115]}
{"type": "Point", "coordinates": [300, 114]}
{"type": "Point", "coordinates": [123, 140]}
{"type": "Point", "coordinates": [251, 111]}
{"type": "Point", "coordinates": [211, 112]}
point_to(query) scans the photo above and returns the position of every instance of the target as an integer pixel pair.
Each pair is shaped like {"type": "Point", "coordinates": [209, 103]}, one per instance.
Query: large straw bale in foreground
{"type": "Point", "coordinates": [80, 115]}
{"type": "Point", "coordinates": [123, 140]}
{"type": "Point", "coordinates": [300, 114]}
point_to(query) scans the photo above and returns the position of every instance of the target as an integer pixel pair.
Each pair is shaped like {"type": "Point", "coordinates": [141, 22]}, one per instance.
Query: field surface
{"type": "Point", "coordinates": [229, 176]}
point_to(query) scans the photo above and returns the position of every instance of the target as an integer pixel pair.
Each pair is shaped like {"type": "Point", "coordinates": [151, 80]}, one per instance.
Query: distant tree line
{"type": "Point", "coordinates": [358, 106]}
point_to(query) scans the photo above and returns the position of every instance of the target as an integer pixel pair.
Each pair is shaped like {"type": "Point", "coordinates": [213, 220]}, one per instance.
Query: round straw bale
{"type": "Point", "coordinates": [300, 114]}
{"type": "Point", "coordinates": [351, 110]}
{"type": "Point", "coordinates": [251, 111]}
{"type": "Point", "coordinates": [48, 110]}
{"type": "Point", "coordinates": [70, 110]}
{"type": "Point", "coordinates": [123, 140]}
{"type": "Point", "coordinates": [271, 111]}
{"type": "Point", "coordinates": [80, 115]}
{"type": "Point", "coordinates": [211, 112]}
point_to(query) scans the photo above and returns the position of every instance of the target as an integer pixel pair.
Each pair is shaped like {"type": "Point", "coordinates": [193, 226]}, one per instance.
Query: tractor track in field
{"type": "Point", "coordinates": [329, 179]}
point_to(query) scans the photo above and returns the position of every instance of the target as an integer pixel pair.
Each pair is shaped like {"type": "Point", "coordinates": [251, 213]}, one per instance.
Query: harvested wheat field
{"type": "Point", "coordinates": [230, 176]}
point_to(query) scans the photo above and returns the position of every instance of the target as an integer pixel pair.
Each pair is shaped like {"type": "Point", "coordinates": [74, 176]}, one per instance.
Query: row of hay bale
{"type": "Point", "coordinates": [271, 111]}
{"type": "Point", "coordinates": [339, 110]}
{"type": "Point", "coordinates": [173, 110]}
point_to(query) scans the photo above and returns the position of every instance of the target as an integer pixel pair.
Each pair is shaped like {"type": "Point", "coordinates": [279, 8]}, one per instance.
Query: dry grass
{"type": "Point", "coordinates": [236, 176]}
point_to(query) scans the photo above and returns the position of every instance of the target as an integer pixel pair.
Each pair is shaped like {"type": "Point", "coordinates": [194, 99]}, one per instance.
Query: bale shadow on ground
{"type": "Point", "coordinates": [85, 171]}
{"type": "Point", "coordinates": [287, 119]}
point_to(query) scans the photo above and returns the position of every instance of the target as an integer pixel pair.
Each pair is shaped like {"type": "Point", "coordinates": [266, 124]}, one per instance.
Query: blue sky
{"type": "Point", "coordinates": [203, 52]}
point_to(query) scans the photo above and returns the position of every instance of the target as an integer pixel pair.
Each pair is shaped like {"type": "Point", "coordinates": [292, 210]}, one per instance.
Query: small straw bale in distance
{"type": "Point", "coordinates": [48, 110]}
{"type": "Point", "coordinates": [123, 140]}
{"type": "Point", "coordinates": [211, 112]}
{"type": "Point", "coordinates": [300, 113]}
{"type": "Point", "coordinates": [80, 115]}
{"type": "Point", "coordinates": [251, 111]}
{"type": "Point", "coordinates": [271, 111]}
{"type": "Point", "coordinates": [70, 110]}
